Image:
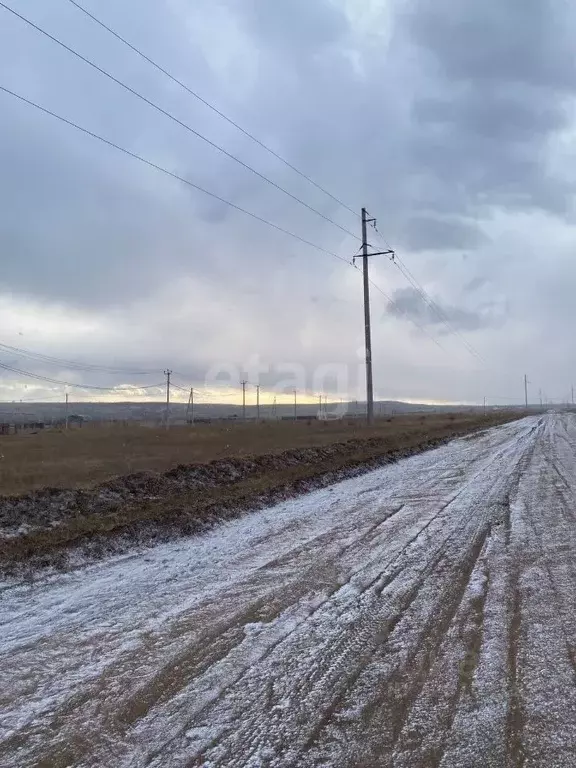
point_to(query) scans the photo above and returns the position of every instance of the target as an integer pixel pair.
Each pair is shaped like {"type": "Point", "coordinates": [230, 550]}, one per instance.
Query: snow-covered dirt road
{"type": "Point", "coordinates": [419, 615]}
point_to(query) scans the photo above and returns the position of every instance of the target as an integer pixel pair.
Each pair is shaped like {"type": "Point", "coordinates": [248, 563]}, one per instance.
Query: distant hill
{"type": "Point", "coordinates": [154, 411]}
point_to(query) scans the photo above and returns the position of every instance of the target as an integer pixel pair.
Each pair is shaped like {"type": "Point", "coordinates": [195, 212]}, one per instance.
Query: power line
{"type": "Point", "coordinates": [50, 380]}
{"type": "Point", "coordinates": [402, 311]}
{"type": "Point", "coordinates": [171, 173]}
{"type": "Point", "coordinates": [177, 386]}
{"type": "Point", "coordinates": [435, 308]}
{"type": "Point", "coordinates": [496, 397]}
{"type": "Point", "coordinates": [189, 183]}
{"type": "Point", "coordinates": [197, 187]}
{"type": "Point", "coordinates": [88, 367]}
{"type": "Point", "coordinates": [399, 264]}
{"type": "Point", "coordinates": [394, 303]}
{"type": "Point", "coordinates": [32, 399]}
{"type": "Point", "coordinates": [71, 364]}
{"type": "Point", "coordinates": [211, 106]}
{"type": "Point", "coordinates": [172, 117]}
{"type": "Point", "coordinates": [197, 392]}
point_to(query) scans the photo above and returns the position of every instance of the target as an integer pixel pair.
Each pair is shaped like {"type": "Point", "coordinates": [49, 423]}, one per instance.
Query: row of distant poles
{"type": "Point", "coordinates": [322, 402]}
{"type": "Point", "coordinates": [541, 398]}
{"type": "Point", "coordinates": [322, 399]}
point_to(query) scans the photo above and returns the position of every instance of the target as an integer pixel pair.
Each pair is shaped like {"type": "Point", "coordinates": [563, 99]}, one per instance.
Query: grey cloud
{"type": "Point", "coordinates": [494, 95]}
{"type": "Point", "coordinates": [520, 41]}
{"type": "Point", "coordinates": [299, 25]}
{"type": "Point", "coordinates": [94, 228]}
{"type": "Point", "coordinates": [409, 304]}
{"type": "Point", "coordinates": [491, 149]}
{"type": "Point", "coordinates": [79, 234]}
{"type": "Point", "coordinates": [475, 284]}
{"type": "Point", "coordinates": [426, 233]}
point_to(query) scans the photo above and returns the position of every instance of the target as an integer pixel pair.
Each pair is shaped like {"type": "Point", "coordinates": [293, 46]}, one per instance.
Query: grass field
{"type": "Point", "coordinates": [84, 457]}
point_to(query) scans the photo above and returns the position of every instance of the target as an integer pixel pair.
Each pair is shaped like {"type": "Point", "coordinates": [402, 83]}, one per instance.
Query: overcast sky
{"type": "Point", "coordinates": [452, 121]}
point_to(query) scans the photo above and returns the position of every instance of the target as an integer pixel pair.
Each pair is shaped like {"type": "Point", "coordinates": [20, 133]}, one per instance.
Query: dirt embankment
{"type": "Point", "coordinates": [57, 527]}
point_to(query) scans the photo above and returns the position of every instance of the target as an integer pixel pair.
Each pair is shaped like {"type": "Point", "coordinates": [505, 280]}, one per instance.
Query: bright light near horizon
{"type": "Point", "coordinates": [18, 391]}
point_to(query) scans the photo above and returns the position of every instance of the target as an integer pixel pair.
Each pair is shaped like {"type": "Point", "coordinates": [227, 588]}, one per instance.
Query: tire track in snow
{"type": "Point", "coordinates": [360, 638]}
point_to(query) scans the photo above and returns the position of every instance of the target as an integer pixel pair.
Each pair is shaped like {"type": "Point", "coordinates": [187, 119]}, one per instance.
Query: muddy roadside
{"type": "Point", "coordinates": [61, 528]}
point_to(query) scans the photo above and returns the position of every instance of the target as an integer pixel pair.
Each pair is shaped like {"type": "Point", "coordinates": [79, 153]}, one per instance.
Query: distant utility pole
{"type": "Point", "coordinates": [572, 394]}
{"type": "Point", "coordinates": [319, 406]}
{"type": "Point", "coordinates": [258, 401]}
{"type": "Point", "coordinates": [367, 330]}
{"type": "Point", "coordinates": [190, 408]}
{"type": "Point", "coordinates": [484, 407]}
{"type": "Point", "coordinates": [244, 400]}
{"type": "Point", "coordinates": [526, 390]}
{"type": "Point", "coordinates": [540, 397]}
{"type": "Point", "coordinates": [274, 410]}
{"type": "Point", "coordinates": [66, 412]}
{"type": "Point", "coordinates": [295, 407]}
{"type": "Point", "coordinates": [167, 373]}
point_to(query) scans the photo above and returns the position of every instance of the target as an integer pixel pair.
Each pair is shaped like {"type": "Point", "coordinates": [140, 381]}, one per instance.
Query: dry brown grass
{"type": "Point", "coordinates": [82, 458]}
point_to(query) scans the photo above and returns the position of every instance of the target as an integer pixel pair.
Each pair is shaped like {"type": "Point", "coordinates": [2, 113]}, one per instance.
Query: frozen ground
{"type": "Point", "coordinates": [420, 615]}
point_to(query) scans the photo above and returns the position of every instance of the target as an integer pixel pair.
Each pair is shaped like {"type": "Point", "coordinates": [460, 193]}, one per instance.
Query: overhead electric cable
{"type": "Point", "coordinates": [212, 107]}
{"type": "Point", "coordinates": [191, 184]}
{"type": "Point", "coordinates": [175, 119]}
{"type": "Point", "coordinates": [428, 300]}
{"type": "Point", "coordinates": [170, 173]}
{"type": "Point", "coordinates": [71, 364]}
{"type": "Point", "coordinates": [50, 380]}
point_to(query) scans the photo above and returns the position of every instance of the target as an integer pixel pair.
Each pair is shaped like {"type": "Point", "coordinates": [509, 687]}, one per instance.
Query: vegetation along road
{"type": "Point", "coordinates": [422, 614]}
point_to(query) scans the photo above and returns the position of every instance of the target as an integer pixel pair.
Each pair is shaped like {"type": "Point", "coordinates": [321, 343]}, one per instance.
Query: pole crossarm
{"type": "Point", "coordinates": [377, 253]}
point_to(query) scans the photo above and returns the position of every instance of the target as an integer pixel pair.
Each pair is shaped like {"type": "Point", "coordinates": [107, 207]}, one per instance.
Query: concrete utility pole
{"type": "Point", "coordinates": [258, 401]}
{"type": "Point", "coordinates": [540, 397]}
{"type": "Point", "coordinates": [167, 373]}
{"type": "Point", "coordinates": [295, 407]}
{"type": "Point", "coordinates": [190, 408]}
{"type": "Point", "coordinates": [367, 330]}
{"type": "Point", "coordinates": [484, 407]}
{"type": "Point", "coordinates": [244, 400]}
{"type": "Point", "coordinates": [274, 410]}
{"type": "Point", "coordinates": [319, 406]}
{"type": "Point", "coordinates": [572, 394]}
{"type": "Point", "coordinates": [66, 412]}
{"type": "Point", "coordinates": [526, 390]}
